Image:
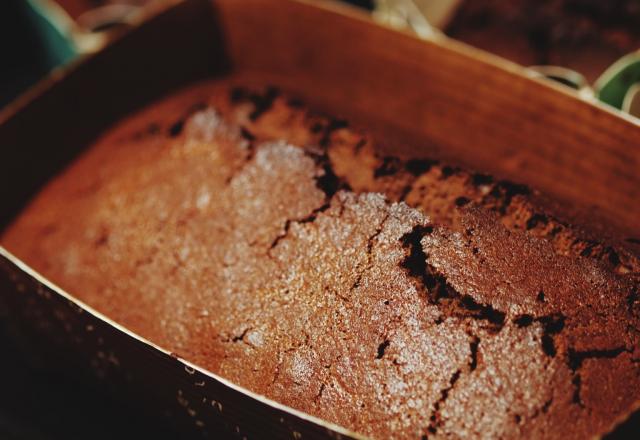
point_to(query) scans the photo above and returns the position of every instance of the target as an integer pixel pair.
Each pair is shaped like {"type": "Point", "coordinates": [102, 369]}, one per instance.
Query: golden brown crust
{"type": "Point", "coordinates": [392, 296]}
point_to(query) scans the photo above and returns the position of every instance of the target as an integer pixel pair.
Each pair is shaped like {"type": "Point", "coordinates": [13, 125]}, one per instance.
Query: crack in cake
{"type": "Point", "coordinates": [397, 297]}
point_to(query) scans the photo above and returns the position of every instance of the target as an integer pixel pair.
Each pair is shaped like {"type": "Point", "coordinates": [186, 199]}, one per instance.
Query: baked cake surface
{"type": "Point", "coordinates": [396, 297]}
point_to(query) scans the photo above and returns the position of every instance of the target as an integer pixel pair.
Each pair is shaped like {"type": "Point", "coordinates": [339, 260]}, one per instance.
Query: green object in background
{"type": "Point", "coordinates": [53, 30]}
{"type": "Point", "coordinates": [35, 37]}
{"type": "Point", "coordinates": [618, 80]}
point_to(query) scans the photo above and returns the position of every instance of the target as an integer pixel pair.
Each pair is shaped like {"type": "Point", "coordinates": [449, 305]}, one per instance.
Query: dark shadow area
{"type": "Point", "coordinates": [42, 405]}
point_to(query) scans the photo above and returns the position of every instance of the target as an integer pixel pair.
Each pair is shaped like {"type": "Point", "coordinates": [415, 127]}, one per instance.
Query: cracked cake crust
{"type": "Point", "coordinates": [394, 296]}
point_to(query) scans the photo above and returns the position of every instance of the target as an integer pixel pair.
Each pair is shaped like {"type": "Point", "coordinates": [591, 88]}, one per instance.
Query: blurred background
{"type": "Point", "coordinates": [575, 42]}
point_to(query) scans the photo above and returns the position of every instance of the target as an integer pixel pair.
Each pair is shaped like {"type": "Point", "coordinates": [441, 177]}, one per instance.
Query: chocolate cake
{"type": "Point", "coordinates": [398, 297]}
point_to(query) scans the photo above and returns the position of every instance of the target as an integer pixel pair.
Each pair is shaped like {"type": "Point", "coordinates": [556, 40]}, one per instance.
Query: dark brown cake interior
{"type": "Point", "coordinates": [392, 296]}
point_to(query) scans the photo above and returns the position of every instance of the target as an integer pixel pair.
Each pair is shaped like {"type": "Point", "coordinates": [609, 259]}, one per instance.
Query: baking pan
{"type": "Point", "coordinates": [427, 98]}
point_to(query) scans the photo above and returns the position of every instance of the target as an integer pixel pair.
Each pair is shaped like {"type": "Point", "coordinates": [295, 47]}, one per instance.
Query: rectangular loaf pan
{"type": "Point", "coordinates": [437, 98]}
